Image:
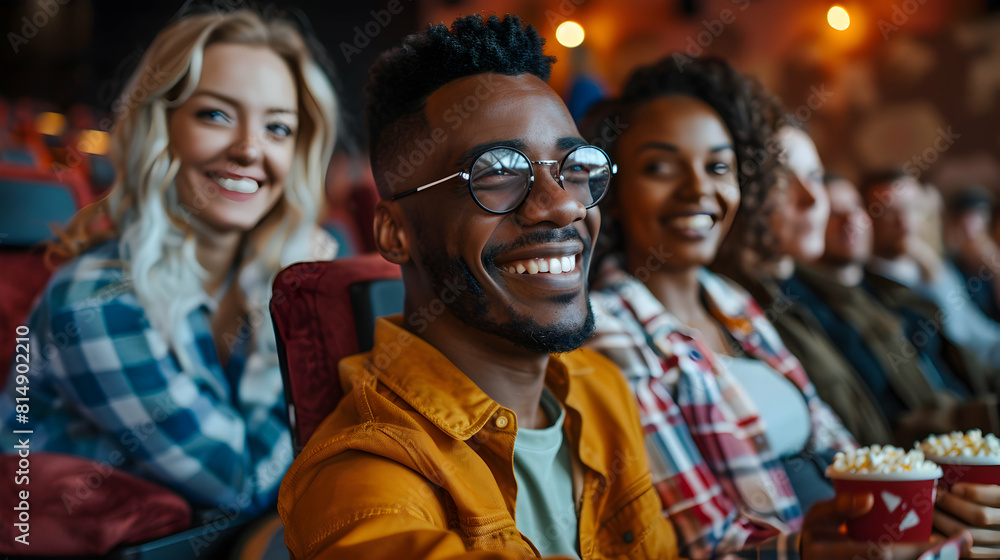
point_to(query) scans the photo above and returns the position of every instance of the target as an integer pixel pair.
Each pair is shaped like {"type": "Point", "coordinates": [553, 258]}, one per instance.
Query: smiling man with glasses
{"type": "Point", "coordinates": [481, 431]}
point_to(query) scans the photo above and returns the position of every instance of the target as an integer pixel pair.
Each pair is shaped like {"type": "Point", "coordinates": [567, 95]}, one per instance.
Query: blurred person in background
{"type": "Point", "coordinates": [896, 401]}
{"type": "Point", "coordinates": [897, 204]}
{"type": "Point", "coordinates": [797, 215]}
{"type": "Point", "coordinates": [155, 346]}
{"type": "Point", "coordinates": [971, 247]}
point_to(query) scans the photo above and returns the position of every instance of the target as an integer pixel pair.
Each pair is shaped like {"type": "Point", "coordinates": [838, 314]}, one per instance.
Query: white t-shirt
{"type": "Point", "coordinates": [544, 510]}
{"type": "Point", "coordinates": [781, 404]}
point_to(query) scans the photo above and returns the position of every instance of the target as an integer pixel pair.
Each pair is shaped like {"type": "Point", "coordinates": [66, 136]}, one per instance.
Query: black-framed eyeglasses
{"type": "Point", "coordinates": [500, 179]}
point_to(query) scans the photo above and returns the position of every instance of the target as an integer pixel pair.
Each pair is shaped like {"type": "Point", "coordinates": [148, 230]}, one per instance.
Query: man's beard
{"type": "Point", "coordinates": [472, 307]}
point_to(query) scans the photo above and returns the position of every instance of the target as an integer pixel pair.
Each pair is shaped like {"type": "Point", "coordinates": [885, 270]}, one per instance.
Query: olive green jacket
{"type": "Point", "coordinates": [836, 381]}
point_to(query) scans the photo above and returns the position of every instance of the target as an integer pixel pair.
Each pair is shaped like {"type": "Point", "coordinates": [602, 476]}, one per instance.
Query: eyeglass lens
{"type": "Point", "coordinates": [501, 177]}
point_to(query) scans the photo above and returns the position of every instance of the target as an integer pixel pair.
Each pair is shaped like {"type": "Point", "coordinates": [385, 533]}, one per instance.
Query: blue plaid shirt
{"type": "Point", "coordinates": [104, 384]}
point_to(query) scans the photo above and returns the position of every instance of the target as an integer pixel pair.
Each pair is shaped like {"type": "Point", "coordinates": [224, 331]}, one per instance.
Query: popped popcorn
{"type": "Point", "coordinates": [957, 444]}
{"type": "Point", "coordinates": [881, 459]}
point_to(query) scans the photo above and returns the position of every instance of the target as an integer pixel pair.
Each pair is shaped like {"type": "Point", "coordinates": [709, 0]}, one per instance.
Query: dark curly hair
{"type": "Point", "coordinates": [750, 114]}
{"type": "Point", "coordinates": [403, 78]}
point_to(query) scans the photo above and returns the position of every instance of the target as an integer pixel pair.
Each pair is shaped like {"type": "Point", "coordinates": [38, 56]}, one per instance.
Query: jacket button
{"type": "Point", "coordinates": [627, 537]}
{"type": "Point", "coordinates": [501, 421]}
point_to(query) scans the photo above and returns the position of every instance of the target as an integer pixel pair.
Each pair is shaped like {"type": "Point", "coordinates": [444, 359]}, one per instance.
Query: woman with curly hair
{"type": "Point", "coordinates": [736, 435]}
{"type": "Point", "coordinates": [155, 352]}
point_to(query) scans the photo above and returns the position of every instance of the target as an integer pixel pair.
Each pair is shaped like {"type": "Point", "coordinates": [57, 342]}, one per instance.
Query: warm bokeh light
{"type": "Point", "coordinates": [838, 18]}
{"type": "Point", "coordinates": [569, 34]}
{"type": "Point", "coordinates": [94, 142]}
{"type": "Point", "coordinates": [51, 124]}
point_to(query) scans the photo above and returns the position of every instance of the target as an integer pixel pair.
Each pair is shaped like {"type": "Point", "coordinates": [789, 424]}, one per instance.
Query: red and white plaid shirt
{"type": "Point", "coordinates": [722, 486]}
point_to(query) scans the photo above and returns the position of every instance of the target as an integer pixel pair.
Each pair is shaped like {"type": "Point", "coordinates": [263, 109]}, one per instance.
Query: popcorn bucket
{"type": "Point", "coordinates": [979, 470]}
{"type": "Point", "coordinates": [904, 504]}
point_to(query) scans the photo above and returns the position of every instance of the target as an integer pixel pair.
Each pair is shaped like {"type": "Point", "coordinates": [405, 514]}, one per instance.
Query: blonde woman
{"type": "Point", "coordinates": [152, 345]}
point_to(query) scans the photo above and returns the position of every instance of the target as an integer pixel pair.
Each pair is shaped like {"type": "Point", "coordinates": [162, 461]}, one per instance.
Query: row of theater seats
{"type": "Point", "coordinates": [52, 164]}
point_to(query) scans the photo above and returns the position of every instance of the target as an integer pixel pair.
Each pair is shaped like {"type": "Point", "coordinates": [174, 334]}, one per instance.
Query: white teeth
{"type": "Point", "coordinates": [245, 186]}
{"type": "Point", "coordinates": [554, 265]}
{"type": "Point", "coordinates": [697, 221]}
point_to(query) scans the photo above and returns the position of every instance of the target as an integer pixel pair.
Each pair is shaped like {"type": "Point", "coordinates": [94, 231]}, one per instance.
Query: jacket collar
{"type": "Point", "coordinates": [426, 380]}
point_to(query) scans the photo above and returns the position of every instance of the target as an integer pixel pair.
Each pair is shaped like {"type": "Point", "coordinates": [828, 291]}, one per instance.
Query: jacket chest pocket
{"type": "Point", "coordinates": [638, 531]}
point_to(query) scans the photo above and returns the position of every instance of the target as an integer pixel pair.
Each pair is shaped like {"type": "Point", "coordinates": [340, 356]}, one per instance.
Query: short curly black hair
{"type": "Point", "coordinates": [403, 78]}
{"type": "Point", "coordinates": [750, 114]}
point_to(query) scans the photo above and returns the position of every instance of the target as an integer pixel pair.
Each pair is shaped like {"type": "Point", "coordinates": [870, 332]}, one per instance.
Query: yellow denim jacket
{"type": "Point", "coordinates": [417, 462]}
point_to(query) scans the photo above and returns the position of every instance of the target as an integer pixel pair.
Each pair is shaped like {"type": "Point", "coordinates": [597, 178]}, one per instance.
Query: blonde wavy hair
{"type": "Point", "coordinates": [155, 233]}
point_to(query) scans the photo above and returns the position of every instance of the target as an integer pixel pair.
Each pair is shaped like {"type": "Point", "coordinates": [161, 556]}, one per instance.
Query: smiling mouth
{"type": "Point", "coordinates": [242, 186]}
{"type": "Point", "coordinates": [693, 221]}
{"type": "Point", "coordinates": [699, 224]}
{"type": "Point", "coordinates": [541, 265]}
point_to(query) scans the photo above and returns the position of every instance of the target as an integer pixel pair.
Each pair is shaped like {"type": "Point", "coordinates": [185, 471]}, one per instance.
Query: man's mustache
{"type": "Point", "coordinates": [568, 233]}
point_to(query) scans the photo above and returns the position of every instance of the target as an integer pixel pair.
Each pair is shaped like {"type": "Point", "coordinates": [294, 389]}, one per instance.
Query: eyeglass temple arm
{"type": "Point", "coordinates": [461, 174]}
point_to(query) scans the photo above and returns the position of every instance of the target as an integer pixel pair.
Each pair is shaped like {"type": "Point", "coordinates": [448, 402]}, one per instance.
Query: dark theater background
{"type": "Point", "coordinates": [877, 84]}
{"type": "Point", "coordinates": [911, 82]}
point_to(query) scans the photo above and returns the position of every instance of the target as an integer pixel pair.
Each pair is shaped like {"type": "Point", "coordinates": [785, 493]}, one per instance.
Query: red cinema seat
{"type": "Point", "coordinates": [80, 507]}
{"type": "Point", "coordinates": [323, 312]}
{"type": "Point", "coordinates": [69, 179]}
{"type": "Point", "coordinates": [25, 275]}
{"type": "Point", "coordinates": [31, 202]}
